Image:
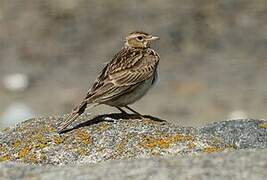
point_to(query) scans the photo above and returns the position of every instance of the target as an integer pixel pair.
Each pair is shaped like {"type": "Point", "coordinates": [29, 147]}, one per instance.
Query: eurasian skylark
{"type": "Point", "coordinates": [125, 79]}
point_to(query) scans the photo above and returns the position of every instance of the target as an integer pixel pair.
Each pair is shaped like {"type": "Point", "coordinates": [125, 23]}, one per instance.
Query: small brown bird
{"type": "Point", "coordinates": [125, 79]}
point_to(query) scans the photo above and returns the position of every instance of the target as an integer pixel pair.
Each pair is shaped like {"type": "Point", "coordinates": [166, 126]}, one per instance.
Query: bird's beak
{"type": "Point", "coordinates": [153, 38]}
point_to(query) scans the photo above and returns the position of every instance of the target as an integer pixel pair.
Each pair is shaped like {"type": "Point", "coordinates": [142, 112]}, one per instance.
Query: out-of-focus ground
{"type": "Point", "coordinates": [213, 55]}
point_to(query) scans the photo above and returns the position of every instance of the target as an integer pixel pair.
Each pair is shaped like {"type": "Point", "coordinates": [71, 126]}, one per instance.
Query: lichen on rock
{"type": "Point", "coordinates": [36, 141]}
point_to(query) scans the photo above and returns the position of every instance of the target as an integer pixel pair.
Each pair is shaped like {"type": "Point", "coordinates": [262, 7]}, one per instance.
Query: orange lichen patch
{"type": "Point", "coordinates": [17, 144]}
{"type": "Point", "coordinates": [82, 136]}
{"type": "Point", "coordinates": [212, 149]}
{"type": "Point", "coordinates": [23, 152]}
{"type": "Point", "coordinates": [191, 145]}
{"type": "Point", "coordinates": [120, 148]}
{"type": "Point", "coordinates": [263, 125]}
{"type": "Point", "coordinates": [40, 146]}
{"type": "Point", "coordinates": [58, 139]}
{"type": "Point", "coordinates": [4, 158]}
{"type": "Point", "coordinates": [103, 126]}
{"type": "Point", "coordinates": [148, 121]}
{"type": "Point", "coordinates": [218, 148]}
{"type": "Point", "coordinates": [165, 142]}
{"type": "Point", "coordinates": [48, 129]}
{"type": "Point", "coordinates": [32, 158]}
{"type": "Point", "coordinates": [82, 151]}
{"type": "Point", "coordinates": [39, 141]}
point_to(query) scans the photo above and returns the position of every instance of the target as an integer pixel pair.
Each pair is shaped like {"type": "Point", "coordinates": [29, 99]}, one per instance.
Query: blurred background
{"type": "Point", "coordinates": [213, 56]}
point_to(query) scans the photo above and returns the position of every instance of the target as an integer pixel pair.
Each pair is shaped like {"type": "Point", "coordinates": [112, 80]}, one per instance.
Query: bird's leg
{"type": "Point", "coordinates": [135, 112]}
{"type": "Point", "coordinates": [121, 110]}
{"type": "Point", "coordinates": [115, 120]}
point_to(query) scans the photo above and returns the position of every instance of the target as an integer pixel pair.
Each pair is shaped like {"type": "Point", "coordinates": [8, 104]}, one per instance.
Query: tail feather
{"type": "Point", "coordinates": [77, 111]}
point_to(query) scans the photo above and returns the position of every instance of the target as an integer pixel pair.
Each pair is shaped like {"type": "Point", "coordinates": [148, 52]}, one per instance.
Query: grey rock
{"type": "Point", "coordinates": [242, 134]}
{"type": "Point", "coordinates": [118, 147]}
{"type": "Point", "coordinates": [36, 141]}
{"type": "Point", "coordinates": [217, 166]}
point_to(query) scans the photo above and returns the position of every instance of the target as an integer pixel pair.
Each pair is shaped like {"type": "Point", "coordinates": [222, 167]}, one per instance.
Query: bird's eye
{"type": "Point", "coordinates": [140, 38]}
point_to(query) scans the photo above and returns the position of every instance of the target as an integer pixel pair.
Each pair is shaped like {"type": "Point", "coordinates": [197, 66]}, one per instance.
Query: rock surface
{"type": "Point", "coordinates": [137, 146]}
{"type": "Point", "coordinates": [217, 166]}
{"type": "Point", "coordinates": [104, 138]}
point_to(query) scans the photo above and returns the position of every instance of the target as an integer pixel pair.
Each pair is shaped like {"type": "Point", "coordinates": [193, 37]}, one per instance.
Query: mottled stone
{"type": "Point", "coordinates": [244, 164]}
{"type": "Point", "coordinates": [114, 137]}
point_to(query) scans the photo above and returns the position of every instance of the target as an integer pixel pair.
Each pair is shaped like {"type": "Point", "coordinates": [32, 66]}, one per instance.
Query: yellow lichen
{"type": "Point", "coordinates": [82, 151]}
{"type": "Point", "coordinates": [191, 145]}
{"type": "Point", "coordinates": [47, 129]}
{"type": "Point", "coordinates": [39, 141]}
{"type": "Point", "coordinates": [32, 158]}
{"type": "Point", "coordinates": [40, 145]}
{"type": "Point", "coordinates": [148, 121]}
{"type": "Point", "coordinates": [37, 137]}
{"type": "Point", "coordinates": [165, 142]}
{"type": "Point", "coordinates": [4, 158]}
{"type": "Point", "coordinates": [82, 136]}
{"type": "Point", "coordinates": [103, 127]}
{"type": "Point", "coordinates": [57, 139]}
{"type": "Point", "coordinates": [23, 152]}
{"type": "Point", "coordinates": [17, 144]}
{"type": "Point", "coordinates": [120, 148]}
{"type": "Point", "coordinates": [263, 125]}
{"type": "Point", "coordinates": [211, 149]}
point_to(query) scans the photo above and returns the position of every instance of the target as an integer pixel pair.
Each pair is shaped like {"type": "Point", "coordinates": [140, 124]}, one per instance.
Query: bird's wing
{"type": "Point", "coordinates": [127, 69]}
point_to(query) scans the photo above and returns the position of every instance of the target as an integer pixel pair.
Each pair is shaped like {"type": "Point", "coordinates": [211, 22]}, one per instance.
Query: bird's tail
{"type": "Point", "coordinates": [76, 112]}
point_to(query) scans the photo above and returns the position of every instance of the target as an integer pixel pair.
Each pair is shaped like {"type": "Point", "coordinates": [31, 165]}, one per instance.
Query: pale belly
{"type": "Point", "coordinates": [135, 94]}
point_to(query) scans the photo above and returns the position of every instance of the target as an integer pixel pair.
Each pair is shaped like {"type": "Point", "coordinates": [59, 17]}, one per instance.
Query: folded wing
{"type": "Point", "coordinates": [127, 69]}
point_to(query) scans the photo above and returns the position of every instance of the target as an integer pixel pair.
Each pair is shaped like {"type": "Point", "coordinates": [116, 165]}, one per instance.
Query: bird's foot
{"type": "Point", "coordinates": [109, 119]}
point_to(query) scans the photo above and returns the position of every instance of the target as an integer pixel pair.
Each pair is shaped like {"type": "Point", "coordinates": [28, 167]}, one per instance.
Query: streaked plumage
{"type": "Point", "coordinates": [125, 79]}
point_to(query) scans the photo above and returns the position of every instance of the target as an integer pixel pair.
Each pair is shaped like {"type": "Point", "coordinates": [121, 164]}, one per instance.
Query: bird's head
{"type": "Point", "coordinates": [139, 39]}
